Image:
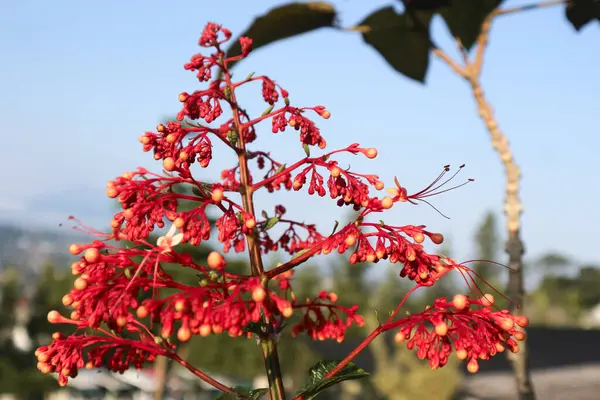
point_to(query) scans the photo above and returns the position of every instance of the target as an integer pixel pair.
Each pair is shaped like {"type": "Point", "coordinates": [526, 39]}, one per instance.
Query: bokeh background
{"type": "Point", "coordinates": [82, 80]}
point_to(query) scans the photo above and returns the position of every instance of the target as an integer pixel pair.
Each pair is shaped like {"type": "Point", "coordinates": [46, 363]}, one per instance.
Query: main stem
{"type": "Point", "coordinates": [514, 244]}
{"type": "Point", "coordinates": [513, 208]}
{"type": "Point", "coordinates": [268, 344]}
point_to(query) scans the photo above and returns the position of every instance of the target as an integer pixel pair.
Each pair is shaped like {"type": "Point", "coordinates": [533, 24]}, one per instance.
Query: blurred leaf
{"type": "Point", "coordinates": [581, 12]}
{"type": "Point", "coordinates": [464, 18]}
{"type": "Point", "coordinates": [553, 260]}
{"type": "Point", "coordinates": [403, 44]}
{"type": "Point", "coordinates": [252, 394]}
{"type": "Point", "coordinates": [426, 4]}
{"type": "Point", "coordinates": [317, 381]}
{"type": "Point", "coordinates": [283, 22]}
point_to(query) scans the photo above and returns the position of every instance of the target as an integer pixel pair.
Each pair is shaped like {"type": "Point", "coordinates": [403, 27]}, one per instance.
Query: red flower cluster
{"type": "Point", "coordinates": [326, 325]}
{"type": "Point", "coordinates": [114, 300]}
{"type": "Point", "coordinates": [475, 333]}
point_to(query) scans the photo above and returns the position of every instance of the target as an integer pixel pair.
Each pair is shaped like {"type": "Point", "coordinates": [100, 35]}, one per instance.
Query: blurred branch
{"type": "Point", "coordinates": [530, 7]}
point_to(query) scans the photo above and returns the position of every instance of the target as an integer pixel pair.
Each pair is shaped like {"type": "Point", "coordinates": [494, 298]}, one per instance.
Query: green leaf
{"type": "Point", "coordinates": [317, 381]}
{"type": "Point", "coordinates": [306, 149]}
{"type": "Point", "coordinates": [581, 12]}
{"type": "Point", "coordinates": [464, 18]}
{"type": "Point", "coordinates": [298, 254]}
{"type": "Point", "coordinates": [232, 136]}
{"type": "Point", "coordinates": [279, 169]}
{"type": "Point", "coordinates": [252, 394]}
{"type": "Point", "coordinates": [403, 44]}
{"type": "Point", "coordinates": [227, 92]}
{"type": "Point", "coordinates": [268, 110]}
{"type": "Point", "coordinates": [285, 21]}
{"type": "Point", "coordinates": [271, 222]}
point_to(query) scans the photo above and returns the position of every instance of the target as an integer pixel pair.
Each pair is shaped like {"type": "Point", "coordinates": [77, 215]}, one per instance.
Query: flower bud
{"type": "Point", "coordinates": [67, 300]}
{"type": "Point", "coordinates": [142, 312]}
{"type": "Point", "coordinates": [80, 284]}
{"type": "Point", "coordinates": [441, 329]}
{"type": "Point", "coordinates": [184, 334]}
{"type": "Point", "coordinates": [217, 195]}
{"type": "Point", "coordinates": [258, 294]}
{"type": "Point", "coordinates": [350, 240]}
{"type": "Point", "coordinates": [75, 249]}
{"type": "Point", "coordinates": [522, 321]}
{"type": "Point", "coordinates": [473, 366]}
{"type": "Point", "coordinates": [92, 255]}
{"type": "Point", "coordinates": [54, 317]}
{"type": "Point", "coordinates": [418, 237]}
{"type": "Point", "coordinates": [205, 330]}
{"type": "Point", "coordinates": [387, 202]}
{"type": "Point", "coordinates": [215, 260]}
{"type": "Point", "coordinates": [436, 238]}
{"type": "Point", "coordinates": [399, 337]}
{"type": "Point", "coordinates": [169, 164]}
{"type": "Point", "coordinates": [461, 354]}
{"type": "Point", "coordinates": [371, 152]}
{"type": "Point", "coordinates": [460, 301]}
{"type": "Point", "coordinates": [487, 300]}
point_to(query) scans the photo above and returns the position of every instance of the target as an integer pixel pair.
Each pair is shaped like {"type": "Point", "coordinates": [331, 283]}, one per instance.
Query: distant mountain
{"type": "Point", "coordinates": [29, 250]}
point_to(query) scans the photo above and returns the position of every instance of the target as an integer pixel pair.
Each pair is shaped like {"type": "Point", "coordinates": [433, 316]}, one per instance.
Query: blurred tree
{"type": "Point", "coordinates": [18, 371]}
{"type": "Point", "coordinates": [488, 244]}
{"type": "Point", "coordinates": [588, 286]}
{"type": "Point", "coordinates": [403, 39]}
{"type": "Point", "coordinates": [553, 262]}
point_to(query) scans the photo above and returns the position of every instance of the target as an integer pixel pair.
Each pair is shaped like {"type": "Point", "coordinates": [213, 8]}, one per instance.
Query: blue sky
{"type": "Point", "coordinates": [82, 80]}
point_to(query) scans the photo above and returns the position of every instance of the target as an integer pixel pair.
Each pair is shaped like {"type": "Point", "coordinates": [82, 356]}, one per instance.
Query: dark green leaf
{"type": "Point", "coordinates": [252, 394]}
{"type": "Point", "coordinates": [426, 4]}
{"type": "Point", "coordinates": [464, 18]}
{"type": "Point", "coordinates": [581, 12]}
{"type": "Point", "coordinates": [335, 226]}
{"type": "Point", "coordinates": [254, 327]}
{"type": "Point", "coordinates": [317, 381]}
{"type": "Point", "coordinates": [403, 44]}
{"type": "Point", "coordinates": [271, 222]}
{"type": "Point", "coordinates": [286, 21]}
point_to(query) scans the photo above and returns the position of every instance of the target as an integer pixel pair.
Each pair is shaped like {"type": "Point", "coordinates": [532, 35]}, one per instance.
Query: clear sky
{"type": "Point", "coordinates": [81, 80]}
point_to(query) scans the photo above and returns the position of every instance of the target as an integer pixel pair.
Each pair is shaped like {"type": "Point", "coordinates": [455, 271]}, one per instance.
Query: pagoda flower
{"type": "Point", "coordinates": [170, 240]}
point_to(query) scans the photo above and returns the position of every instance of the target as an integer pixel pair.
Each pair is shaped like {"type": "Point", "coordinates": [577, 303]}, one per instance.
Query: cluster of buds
{"type": "Point", "coordinates": [115, 294]}
{"type": "Point", "coordinates": [469, 326]}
